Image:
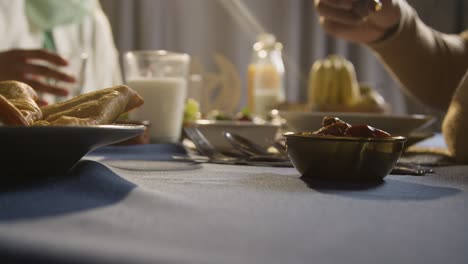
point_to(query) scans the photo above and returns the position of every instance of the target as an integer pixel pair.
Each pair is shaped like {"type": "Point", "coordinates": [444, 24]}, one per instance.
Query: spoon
{"type": "Point", "coordinates": [244, 145]}
{"type": "Point", "coordinates": [251, 149]}
{"type": "Point", "coordinates": [279, 146]}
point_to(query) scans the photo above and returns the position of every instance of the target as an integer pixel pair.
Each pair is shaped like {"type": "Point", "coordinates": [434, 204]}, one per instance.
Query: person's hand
{"type": "Point", "coordinates": [28, 66]}
{"type": "Point", "coordinates": [357, 20]}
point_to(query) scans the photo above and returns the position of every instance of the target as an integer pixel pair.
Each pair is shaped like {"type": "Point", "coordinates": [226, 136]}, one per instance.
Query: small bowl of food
{"type": "Point", "coordinates": [340, 151]}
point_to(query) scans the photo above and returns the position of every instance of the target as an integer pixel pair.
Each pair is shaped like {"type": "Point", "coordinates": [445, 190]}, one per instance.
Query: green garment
{"type": "Point", "coordinates": [47, 14]}
{"type": "Point", "coordinates": [49, 42]}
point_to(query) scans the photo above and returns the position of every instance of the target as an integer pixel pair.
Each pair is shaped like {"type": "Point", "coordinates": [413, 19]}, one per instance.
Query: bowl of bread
{"type": "Point", "coordinates": [49, 141]}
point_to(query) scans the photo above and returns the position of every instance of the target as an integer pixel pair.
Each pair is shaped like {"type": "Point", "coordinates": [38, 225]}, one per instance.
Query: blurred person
{"type": "Point", "coordinates": [40, 38]}
{"type": "Point", "coordinates": [432, 66]}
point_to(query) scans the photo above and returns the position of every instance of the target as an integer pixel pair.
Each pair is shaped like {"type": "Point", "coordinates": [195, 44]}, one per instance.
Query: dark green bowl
{"type": "Point", "coordinates": [343, 158]}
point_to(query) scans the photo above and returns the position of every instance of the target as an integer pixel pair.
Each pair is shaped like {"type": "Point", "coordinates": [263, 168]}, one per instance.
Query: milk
{"type": "Point", "coordinates": [164, 106]}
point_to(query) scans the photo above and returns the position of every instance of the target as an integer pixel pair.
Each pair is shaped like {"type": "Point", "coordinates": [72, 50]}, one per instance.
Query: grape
{"type": "Point", "coordinates": [192, 110]}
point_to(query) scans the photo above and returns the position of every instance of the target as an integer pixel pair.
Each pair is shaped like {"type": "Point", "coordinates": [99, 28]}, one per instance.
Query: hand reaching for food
{"type": "Point", "coordinates": [17, 106]}
{"type": "Point", "coordinates": [29, 66]}
{"type": "Point", "coordinates": [361, 21]}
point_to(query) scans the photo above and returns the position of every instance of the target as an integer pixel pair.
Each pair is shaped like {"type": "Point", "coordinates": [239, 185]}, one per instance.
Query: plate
{"type": "Point", "coordinates": [397, 125]}
{"type": "Point", "coordinates": [259, 132]}
{"type": "Point", "coordinates": [34, 152]}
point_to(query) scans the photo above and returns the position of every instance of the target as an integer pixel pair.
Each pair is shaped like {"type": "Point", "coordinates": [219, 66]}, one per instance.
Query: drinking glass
{"type": "Point", "coordinates": [77, 63]}
{"type": "Point", "coordinates": [160, 77]}
{"type": "Point", "coordinates": [76, 68]}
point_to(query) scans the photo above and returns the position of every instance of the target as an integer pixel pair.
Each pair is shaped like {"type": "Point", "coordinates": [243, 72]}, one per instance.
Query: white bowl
{"type": "Point", "coordinates": [260, 133]}
{"type": "Point", "coordinates": [396, 125]}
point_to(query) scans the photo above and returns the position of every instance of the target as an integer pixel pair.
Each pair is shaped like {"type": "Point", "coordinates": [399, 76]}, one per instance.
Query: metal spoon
{"type": "Point", "coordinates": [205, 147]}
{"type": "Point", "coordinates": [279, 146]}
{"type": "Point", "coordinates": [410, 169]}
{"type": "Point", "coordinates": [252, 150]}
{"type": "Point", "coordinates": [244, 145]}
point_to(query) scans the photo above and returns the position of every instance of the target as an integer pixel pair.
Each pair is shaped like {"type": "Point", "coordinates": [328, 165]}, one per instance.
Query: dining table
{"type": "Point", "coordinates": [136, 204]}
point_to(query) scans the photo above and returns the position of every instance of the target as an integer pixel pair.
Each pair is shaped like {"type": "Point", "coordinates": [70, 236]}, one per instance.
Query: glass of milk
{"type": "Point", "coordinates": [160, 77]}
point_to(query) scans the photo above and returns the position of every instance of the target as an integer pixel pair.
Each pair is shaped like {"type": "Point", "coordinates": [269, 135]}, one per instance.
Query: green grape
{"type": "Point", "coordinates": [192, 110]}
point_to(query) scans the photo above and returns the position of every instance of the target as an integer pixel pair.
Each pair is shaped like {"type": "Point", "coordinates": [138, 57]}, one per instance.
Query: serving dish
{"type": "Point", "coordinates": [260, 132]}
{"type": "Point", "coordinates": [34, 152]}
{"type": "Point", "coordinates": [343, 158]}
{"type": "Point", "coordinates": [396, 125]}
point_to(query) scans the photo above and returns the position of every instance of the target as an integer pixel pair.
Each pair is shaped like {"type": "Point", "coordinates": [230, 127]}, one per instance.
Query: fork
{"type": "Point", "coordinates": [205, 148]}
{"type": "Point", "coordinates": [215, 156]}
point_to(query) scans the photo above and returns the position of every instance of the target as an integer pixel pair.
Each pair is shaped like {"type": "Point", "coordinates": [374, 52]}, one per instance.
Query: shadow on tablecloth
{"type": "Point", "coordinates": [89, 185]}
{"type": "Point", "coordinates": [385, 190]}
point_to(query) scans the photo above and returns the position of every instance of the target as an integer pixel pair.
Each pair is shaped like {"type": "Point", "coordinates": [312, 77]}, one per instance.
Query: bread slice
{"type": "Point", "coordinates": [17, 104]}
{"type": "Point", "coordinates": [95, 108]}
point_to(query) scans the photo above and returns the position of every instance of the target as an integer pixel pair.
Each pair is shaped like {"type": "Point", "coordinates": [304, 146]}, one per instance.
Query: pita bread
{"type": "Point", "coordinates": [95, 108]}
{"type": "Point", "coordinates": [17, 104]}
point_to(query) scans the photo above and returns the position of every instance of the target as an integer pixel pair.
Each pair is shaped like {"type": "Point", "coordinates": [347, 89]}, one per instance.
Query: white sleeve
{"type": "Point", "coordinates": [11, 22]}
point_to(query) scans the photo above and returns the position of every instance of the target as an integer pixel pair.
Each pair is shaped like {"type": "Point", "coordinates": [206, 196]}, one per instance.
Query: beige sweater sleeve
{"type": "Point", "coordinates": [429, 64]}
{"type": "Point", "coordinates": [432, 66]}
{"type": "Point", "coordinates": [455, 123]}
